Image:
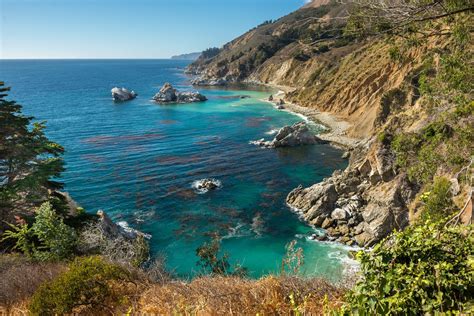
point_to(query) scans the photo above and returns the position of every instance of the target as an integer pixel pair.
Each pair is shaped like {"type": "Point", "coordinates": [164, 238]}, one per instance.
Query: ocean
{"type": "Point", "coordinates": [138, 161]}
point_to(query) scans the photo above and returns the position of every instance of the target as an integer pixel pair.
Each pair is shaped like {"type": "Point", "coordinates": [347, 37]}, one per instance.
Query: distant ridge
{"type": "Point", "coordinates": [190, 56]}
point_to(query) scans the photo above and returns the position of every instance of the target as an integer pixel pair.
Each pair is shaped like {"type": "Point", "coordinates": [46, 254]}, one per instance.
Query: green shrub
{"type": "Point", "coordinates": [438, 201]}
{"type": "Point", "coordinates": [425, 269]}
{"type": "Point", "coordinates": [47, 239]}
{"type": "Point", "coordinates": [57, 240]}
{"type": "Point", "coordinates": [438, 144]}
{"type": "Point", "coordinates": [211, 262]}
{"type": "Point", "coordinates": [87, 283]}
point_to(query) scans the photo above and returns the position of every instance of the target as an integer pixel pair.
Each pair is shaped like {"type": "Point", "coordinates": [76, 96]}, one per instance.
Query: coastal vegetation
{"type": "Point", "coordinates": [61, 260]}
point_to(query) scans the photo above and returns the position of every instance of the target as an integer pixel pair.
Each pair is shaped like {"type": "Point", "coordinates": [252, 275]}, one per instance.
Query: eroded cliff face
{"type": "Point", "coordinates": [361, 82]}
{"type": "Point", "coordinates": [346, 78]}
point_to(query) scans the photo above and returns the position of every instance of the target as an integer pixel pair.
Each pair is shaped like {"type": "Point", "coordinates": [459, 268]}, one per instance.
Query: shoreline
{"type": "Point", "coordinates": [336, 128]}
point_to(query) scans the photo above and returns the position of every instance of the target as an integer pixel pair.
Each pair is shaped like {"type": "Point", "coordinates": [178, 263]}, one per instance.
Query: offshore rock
{"type": "Point", "coordinates": [206, 185]}
{"type": "Point", "coordinates": [122, 94]}
{"type": "Point", "coordinates": [168, 94]}
{"type": "Point", "coordinates": [297, 134]}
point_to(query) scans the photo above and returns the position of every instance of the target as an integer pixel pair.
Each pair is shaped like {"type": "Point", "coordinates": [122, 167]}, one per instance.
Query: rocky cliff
{"type": "Point", "coordinates": [305, 54]}
{"type": "Point", "coordinates": [366, 83]}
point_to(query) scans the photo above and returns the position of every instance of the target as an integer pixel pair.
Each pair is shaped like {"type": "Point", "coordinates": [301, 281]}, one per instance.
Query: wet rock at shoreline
{"type": "Point", "coordinates": [122, 94]}
{"type": "Point", "coordinates": [361, 205]}
{"type": "Point", "coordinates": [206, 185]}
{"type": "Point", "coordinates": [297, 134]}
{"type": "Point", "coordinates": [168, 94]}
{"type": "Point", "coordinates": [121, 229]}
{"type": "Point", "coordinates": [201, 81]}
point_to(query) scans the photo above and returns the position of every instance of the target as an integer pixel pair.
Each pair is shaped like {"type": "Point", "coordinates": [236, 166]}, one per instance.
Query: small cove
{"type": "Point", "coordinates": [138, 161]}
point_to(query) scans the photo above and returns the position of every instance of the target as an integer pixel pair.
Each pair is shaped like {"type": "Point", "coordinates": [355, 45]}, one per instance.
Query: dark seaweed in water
{"type": "Point", "coordinates": [137, 161]}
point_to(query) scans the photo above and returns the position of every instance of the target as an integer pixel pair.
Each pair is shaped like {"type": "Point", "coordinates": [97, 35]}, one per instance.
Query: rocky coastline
{"type": "Point", "coordinates": [358, 206]}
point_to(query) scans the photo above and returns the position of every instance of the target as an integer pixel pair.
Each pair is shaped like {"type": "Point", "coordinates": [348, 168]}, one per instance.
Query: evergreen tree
{"type": "Point", "coordinates": [28, 159]}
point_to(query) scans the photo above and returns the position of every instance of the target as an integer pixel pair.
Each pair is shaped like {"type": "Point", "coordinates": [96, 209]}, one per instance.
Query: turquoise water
{"type": "Point", "coordinates": [138, 160]}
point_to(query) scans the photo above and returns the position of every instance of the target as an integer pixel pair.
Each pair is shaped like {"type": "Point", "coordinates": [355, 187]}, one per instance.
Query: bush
{"type": "Point", "coordinates": [210, 262]}
{"type": "Point", "coordinates": [438, 201]}
{"type": "Point", "coordinates": [87, 283]}
{"type": "Point", "coordinates": [437, 144]}
{"type": "Point", "coordinates": [425, 269]}
{"type": "Point", "coordinates": [47, 239]}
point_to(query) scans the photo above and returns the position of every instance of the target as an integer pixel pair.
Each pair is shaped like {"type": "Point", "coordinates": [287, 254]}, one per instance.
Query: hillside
{"type": "Point", "coordinates": [372, 83]}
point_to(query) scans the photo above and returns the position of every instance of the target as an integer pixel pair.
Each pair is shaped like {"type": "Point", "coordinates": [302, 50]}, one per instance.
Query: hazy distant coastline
{"type": "Point", "coordinates": [190, 56]}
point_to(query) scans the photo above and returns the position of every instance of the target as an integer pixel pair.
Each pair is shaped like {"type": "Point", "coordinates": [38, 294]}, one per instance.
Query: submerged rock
{"type": "Point", "coordinates": [122, 94]}
{"type": "Point", "coordinates": [168, 94]}
{"type": "Point", "coordinates": [206, 185]}
{"type": "Point", "coordinates": [232, 97]}
{"type": "Point", "coordinates": [289, 136]}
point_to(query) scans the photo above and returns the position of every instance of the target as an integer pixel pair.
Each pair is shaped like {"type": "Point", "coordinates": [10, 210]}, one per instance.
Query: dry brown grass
{"type": "Point", "coordinates": [154, 293]}
{"type": "Point", "coordinates": [236, 296]}
{"type": "Point", "coordinates": [19, 279]}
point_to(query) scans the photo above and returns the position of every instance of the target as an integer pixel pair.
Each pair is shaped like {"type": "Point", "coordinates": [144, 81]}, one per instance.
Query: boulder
{"type": "Point", "coordinates": [343, 229]}
{"type": "Point", "coordinates": [206, 185]}
{"type": "Point", "coordinates": [297, 134]}
{"type": "Point", "coordinates": [362, 238]}
{"type": "Point", "coordinates": [318, 221]}
{"type": "Point", "coordinates": [168, 94]}
{"type": "Point", "coordinates": [327, 223]}
{"type": "Point", "coordinates": [346, 155]}
{"type": "Point", "coordinates": [339, 214]}
{"type": "Point", "coordinates": [364, 168]}
{"type": "Point", "coordinates": [122, 94]}
{"type": "Point", "coordinates": [313, 201]}
{"type": "Point", "coordinates": [455, 187]}
{"type": "Point", "coordinates": [385, 161]}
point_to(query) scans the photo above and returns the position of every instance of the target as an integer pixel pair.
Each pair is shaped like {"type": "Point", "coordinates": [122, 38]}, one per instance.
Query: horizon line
{"type": "Point", "coordinates": [96, 58]}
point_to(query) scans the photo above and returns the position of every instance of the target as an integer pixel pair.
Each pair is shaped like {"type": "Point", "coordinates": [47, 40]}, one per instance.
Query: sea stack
{"type": "Point", "coordinates": [297, 134]}
{"type": "Point", "coordinates": [168, 95]}
{"type": "Point", "coordinates": [122, 94]}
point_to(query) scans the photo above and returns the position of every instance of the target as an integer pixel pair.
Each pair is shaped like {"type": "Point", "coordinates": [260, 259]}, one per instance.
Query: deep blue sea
{"type": "Point", "coordinates": [137, 160]}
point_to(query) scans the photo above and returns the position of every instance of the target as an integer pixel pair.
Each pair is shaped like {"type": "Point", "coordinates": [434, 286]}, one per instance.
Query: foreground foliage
{"type": "Point", "coordinates": [87, 282]}
{"type": "Point", "coordinates": [28, 159]}
{"type": "Point", "coordinates": [427, 268]}
{"type": "Point", "coordinates": [47, 239]}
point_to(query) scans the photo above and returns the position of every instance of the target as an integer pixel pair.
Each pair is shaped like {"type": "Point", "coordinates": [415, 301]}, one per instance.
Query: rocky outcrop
{"type": "Point", "coordinates": [202, 81]}
{"type": "Point", "coordinates": [112, 230]}
{"type": "Point", "coordinates": [206, 185]}
{"type": "Point", "coordinates": [122, 94]}
{"type": "Point", "coordinates": [168, 94]}
{"type": "Point", "coordinates": [297, 134]}
{"type": "Point", "coordinates": [361, 205]}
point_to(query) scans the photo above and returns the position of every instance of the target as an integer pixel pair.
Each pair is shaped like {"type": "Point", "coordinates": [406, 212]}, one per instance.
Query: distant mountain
{"type": "Point", "coordinates": [190, 56]}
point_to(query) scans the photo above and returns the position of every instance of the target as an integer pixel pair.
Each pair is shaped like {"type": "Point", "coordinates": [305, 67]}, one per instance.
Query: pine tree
{"type": "Point", "coordinates": [28, 159]}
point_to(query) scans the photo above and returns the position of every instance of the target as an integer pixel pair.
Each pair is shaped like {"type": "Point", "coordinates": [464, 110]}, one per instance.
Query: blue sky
{"type": "Point", "coordinates": [127, 29]}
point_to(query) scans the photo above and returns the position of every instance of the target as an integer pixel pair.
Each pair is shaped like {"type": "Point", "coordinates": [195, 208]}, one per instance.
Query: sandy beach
{"type": "Point", "coordinates": [335, 128]}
